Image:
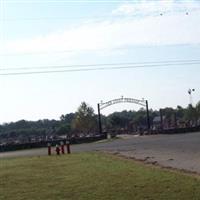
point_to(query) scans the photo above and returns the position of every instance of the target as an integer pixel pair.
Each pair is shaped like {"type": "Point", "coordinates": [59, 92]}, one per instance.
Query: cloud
{"type": "Point", "coordinates": [146, 7]}
{"type": "Point", "coordinates": [173, 29]}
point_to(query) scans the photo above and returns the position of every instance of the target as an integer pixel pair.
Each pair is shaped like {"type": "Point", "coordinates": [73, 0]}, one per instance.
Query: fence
{"type": "Point", "coordinates": [14, 147]}
{"type": "Point", "coordinates": [177, 130]}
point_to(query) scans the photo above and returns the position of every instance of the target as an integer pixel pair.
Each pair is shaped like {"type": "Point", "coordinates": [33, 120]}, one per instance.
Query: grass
{"type": "Point", "coordinates": [91, 176]}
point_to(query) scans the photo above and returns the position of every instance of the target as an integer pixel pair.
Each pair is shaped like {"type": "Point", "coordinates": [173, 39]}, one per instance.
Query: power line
{"type": "Point", "coordinates": [95, 69]}
{"type": "Point", "coordinates": [111, 16]}
{"type": "Point", "coordinates": [121, 16]}
{"type": "Point", "coordinates": [169, 62]}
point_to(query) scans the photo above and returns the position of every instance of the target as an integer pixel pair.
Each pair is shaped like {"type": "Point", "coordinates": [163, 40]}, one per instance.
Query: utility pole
{"type": "Point", "coordinates": [161, 119]}
{"type": "Point", "coordinates": [99, 119]}
{"type": "Point", "coordinates": [148, 119]}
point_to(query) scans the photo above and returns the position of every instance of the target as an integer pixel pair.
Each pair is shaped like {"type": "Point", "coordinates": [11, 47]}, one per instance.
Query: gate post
{"type": "Point", "coordinates": [99, 119]}
{"type": "Point", "coordinates": [148, 119]}
{"type": "Point", "coordinates": [161, 119]}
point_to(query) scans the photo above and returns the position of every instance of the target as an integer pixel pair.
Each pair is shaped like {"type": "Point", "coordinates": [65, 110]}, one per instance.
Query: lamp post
{"type": "Point", "coordinates": [190, 91]}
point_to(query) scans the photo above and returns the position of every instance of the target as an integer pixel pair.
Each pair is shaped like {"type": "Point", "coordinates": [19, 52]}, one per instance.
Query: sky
{"type": "Point", "coordinates": [47, 35]}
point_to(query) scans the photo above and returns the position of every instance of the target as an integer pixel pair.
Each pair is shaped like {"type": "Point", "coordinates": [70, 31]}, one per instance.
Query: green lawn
{"type": "Point", "coordinates": [91, 176]}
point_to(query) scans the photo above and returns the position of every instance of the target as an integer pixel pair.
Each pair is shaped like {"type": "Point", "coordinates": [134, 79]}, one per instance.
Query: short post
{"type": "Point", "coordinates": [57, 150]}
{"type": "Point", "coordinates": [62, 147]}
{"type": "Point", "coordinates": [49, 148]}
{"type": "Point", "coordinates": [68, 147]}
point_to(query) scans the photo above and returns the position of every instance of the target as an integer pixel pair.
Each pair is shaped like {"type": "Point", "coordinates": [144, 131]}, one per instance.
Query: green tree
{"type": "Point", "coordinates": [68, 118]}
{"type": "Point", "coordinates": [191, 114]}
{"type": "Point", "coordinates": [64, 129]}
{"type": "Point", "coordinates": [198, 109]}
{"type": "Point", "coordinates": [198, 112]}
{"type": "Point", "coordinates": [85, 120]}
{"type": "Point", "coordinates": [180, 111]}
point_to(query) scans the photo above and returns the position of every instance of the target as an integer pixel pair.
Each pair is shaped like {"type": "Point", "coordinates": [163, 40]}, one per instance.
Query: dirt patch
{"type": "Point", "coordinates": [154, 164]}
{"type": "Point", "coordinates": [126, 136]}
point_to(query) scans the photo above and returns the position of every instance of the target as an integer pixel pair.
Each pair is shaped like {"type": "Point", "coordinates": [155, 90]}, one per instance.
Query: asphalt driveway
{"type": "Point", "coordinates": [178, 151]}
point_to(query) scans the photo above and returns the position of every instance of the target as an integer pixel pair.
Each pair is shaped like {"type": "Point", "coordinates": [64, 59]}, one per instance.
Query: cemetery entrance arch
{"type": "Point", "coordinates": [142, 102]}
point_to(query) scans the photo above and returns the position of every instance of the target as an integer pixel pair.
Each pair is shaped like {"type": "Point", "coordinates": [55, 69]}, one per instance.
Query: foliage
{"type": "Point", "coordinates": [198, 109]}
{"type": "Point", "coordinates": [84, 120]}
{"type": "Point", "coordinates": [191, 113]}
{"type": "Point", "coordinates": [64, 129]}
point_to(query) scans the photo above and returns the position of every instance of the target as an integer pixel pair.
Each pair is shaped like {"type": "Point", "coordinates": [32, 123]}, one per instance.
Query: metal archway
{"type": "Point", "coordinates": [101, 106]}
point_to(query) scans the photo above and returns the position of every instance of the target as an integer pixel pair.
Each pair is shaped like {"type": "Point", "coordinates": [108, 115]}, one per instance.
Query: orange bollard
{"type": "Point", "coordinates": [62, 147]}
{"type": "Point", "coordinates": [57, 150]}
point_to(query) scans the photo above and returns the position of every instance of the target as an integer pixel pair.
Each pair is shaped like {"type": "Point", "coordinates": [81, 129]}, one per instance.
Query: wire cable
{"type": "Point", "coordinates": [96, 69]}
{"type": "Point", "coordinates": [103, 64]}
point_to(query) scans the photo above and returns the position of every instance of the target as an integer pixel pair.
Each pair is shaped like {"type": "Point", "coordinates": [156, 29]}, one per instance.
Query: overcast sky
{"type": "Point", "coordinates": [61, 33]}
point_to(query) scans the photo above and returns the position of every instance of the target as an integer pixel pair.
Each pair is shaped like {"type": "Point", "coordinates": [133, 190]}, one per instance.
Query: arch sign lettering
{"type": "Point", "coordinates": [141, 102]}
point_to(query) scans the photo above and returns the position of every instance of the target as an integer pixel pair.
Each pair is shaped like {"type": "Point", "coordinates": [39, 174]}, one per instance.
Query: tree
{"type": "Point", "coordinates": [180, 111]}
{"type": "Point", "coordinates": [84, 121]}
{"type": "Point", "coordinates": [116, 120]}
{"type": "Point", "coordinates": [68, 118]}
{"type": "Point", "coordinates": [198, 112]}
{"type": "Point", "coordinates": [198, 109]}
{"type": "Point", "coordinates": [191, 114]}
{"type": "Point", "coordinates": [140, 118]}
{"type": "Point", "coordinates": [64, 129]}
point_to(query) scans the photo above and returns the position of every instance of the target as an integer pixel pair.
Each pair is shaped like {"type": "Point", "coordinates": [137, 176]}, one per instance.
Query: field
{"type": "Point", "coordinates": [91, 176]}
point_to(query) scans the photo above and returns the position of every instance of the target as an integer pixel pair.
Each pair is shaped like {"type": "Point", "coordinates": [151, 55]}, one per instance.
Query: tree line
{"type": "Point", "coordinates": [84, 123]}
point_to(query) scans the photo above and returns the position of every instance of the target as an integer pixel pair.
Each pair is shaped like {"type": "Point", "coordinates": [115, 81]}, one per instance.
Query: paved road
{"type": "Point", "coordinates": [179, 151]}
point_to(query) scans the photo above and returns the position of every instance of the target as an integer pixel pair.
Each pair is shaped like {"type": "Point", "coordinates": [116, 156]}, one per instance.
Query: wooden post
{"type": "Point", "coordinates": [49, 149]}
{"type": "Point", "coordinates": [68, 147]}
